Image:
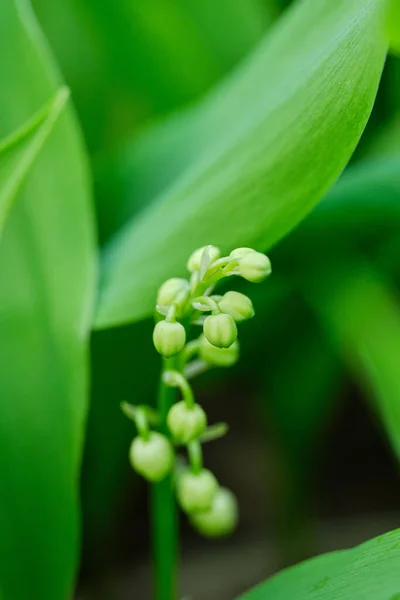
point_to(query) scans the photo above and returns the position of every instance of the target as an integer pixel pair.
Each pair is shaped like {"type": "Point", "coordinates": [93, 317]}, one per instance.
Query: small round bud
{"type": "Point", "coordinates": [222, 517]}
{"type": "Point", "coordinates": [239, 252]}
{"type": "Point", "coordinates": [194, 262]}
{"type": "Point", "coordinates": [237, 305]}
{"type": "Point", "coordinates": [169, 338]}
{"type": "Point", "coordinates": [219, 357]}
{"type": "Point", "coordinates": [186, 423]}
{"type": "Point", "coordinates": [220, 330]}
{"type": "Point", "coordinates": [196, 491]}
{"type": "Point", "coordinates": [153, 457]}
{"type": "Point", "coordinates": [171, 290]}
{"type": "Point", "coordinates": [254, 267]}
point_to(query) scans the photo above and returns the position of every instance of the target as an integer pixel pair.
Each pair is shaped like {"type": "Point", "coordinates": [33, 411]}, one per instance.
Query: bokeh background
{"type": "Point", "coordinates": [308, 453]}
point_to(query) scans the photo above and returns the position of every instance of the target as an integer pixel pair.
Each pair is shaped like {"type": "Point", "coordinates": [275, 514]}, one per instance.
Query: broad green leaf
{"type": "Point", "coordinates": [362, 316]}
{"type": "Point", "coordinates": [246, 164]}
{"type": "Point", "coordinates": [367, 572]}
{"type": "Point", "coordinates": [46, 292]}
{"type": "Point", "coordinates": [19, 151]}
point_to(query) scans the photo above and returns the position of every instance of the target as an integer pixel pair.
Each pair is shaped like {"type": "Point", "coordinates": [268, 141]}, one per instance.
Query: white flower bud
{"type": "Point", "coordinates": [169, 338]}
{"type": "Point", "coordinates": [237, 305]}
{"type": "Point", "coordinates": [254, 267]}
{"type": "Point", "coordinates": [219, 357]}
{"type": "Point", "coordinates": [186, 423]}
{"type": "Point", "coordinates": [194, 262]}
{"type": "Point", "coordinates": [220, 330]}
{"type": "Point", "coordinates": [239, 252]}
{"type": "Point", "coordinates": [153, 457]}
{"type": "Point", "coordinates": [196, 491]}
{"type": "Point", "coordinates": [222, 517]}
{"type": "Point", "coordinates": [171, 290]}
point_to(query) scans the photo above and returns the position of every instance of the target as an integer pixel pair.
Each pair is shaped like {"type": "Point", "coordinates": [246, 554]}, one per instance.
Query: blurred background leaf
{"type": "Point", "coordinates": [133, 61]}
{"type": "Point", "coordinates": [46, 293]}
{"type": "Point", "coordinates": [363, 318]}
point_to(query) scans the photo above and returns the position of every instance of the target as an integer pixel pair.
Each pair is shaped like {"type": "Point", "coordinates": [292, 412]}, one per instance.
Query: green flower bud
{"type": "Point", "coordinates": [219, 357]}
{"type": "Point", "coordinates": [194, 262]}
{"type": "Point", "coordinates": [186, 423]}
{"type": "Point", "coordinates": [239, 252]}
{"type": "Point", "coordinates": [237, 305]}
{"type": "Point", "coordinates": [254, 267]}
{"type": "Point", "coordinates": [222, 517]}
{"type": "Point", "coordinates": [169, 338]}
{"type": "Point", "coordinates": [171, 290]}
{"type": "Point", "coordinates": [220, 330]}
{"type": "Point", "coordinates": [196, 491]}
{"type": "Point", "coordinates": [153, 457]}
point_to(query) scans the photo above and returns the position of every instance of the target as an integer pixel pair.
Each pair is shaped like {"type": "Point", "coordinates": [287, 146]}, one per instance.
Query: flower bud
{"type": "Point", "coordinates": [153, 457]}
{"type": "Point", "coordinates": [220, 330]}
{"type": "Point", "coordinates": [186, 423]}
{"type": "Point", "coordinates": [171, 290]}
{"type": "Point", "coordinates": [239, 252]}
{"type": "Point", "coordinates": [254, 267]}
{"type": "Point", "coordinates": [169, 338]}
{"type": "Point", "coordinates": [237, 305]}
{"type": "Point", "coordinates": [196, 491]}
{"type": "Point", "coordinates": [222, 517]}
{"type": "Point", "coordinates": [219, 357]}
{"type": "Point", "coordinates": [194, 262]}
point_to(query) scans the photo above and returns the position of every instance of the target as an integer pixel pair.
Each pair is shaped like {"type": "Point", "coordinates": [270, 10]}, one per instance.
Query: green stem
{"type": "Point", "coordinates": [164, 512]}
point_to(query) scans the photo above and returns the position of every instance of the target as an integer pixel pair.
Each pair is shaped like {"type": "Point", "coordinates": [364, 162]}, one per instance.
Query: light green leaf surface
{"type": "Point", "coordinates": [19, 151]}
{"type": "Point", "coordinates": [367, 572]}
{"type": "Point", "coordinates": [46, 292]}
{"type": "Point", "coordinates": [254, 156]}
{"type": "Point", "coordinates": [362, 316]}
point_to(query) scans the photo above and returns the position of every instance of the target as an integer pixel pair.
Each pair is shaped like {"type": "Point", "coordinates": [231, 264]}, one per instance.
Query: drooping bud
{"type": "Point", "coordinates": [194, 262]}
{"type": "Point", "coordinates": [237, 305]}
{"type": "Point", "coordinates": [220, 330]}
{"type": "Point", "coordinates": [222, 517]}
{"type": "Point", "coordinates": [169, 338]}
{"type": "Point", "coordinates": [219, 357]}
{"type": "Point", "coordinates": [153, 457]}
{"type": "Point", "coordinates": [239, 252]}
{"type": "Point", "coordinates": [254, 267]}
{"type": "Point", "coordinates": [171, 290]}
{"type": "Point", "coordinates": [186, 423]}
{"type": "Point", "coordinates": [196, 491]}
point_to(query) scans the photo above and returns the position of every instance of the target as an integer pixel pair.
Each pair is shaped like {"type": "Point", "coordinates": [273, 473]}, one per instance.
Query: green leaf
{"type": "Point", "coordinates": [246, 165]}
{"type": "Point", "coordinates": [394, 25]}
{"type": "Point", "coordinates": [19, 151]}
{"type": "Point", "coordinates": [363, 318]}
{"type": "Point", "coordinates": [367, 572]}
{"type": "Point", "coordinates": [47, 261]}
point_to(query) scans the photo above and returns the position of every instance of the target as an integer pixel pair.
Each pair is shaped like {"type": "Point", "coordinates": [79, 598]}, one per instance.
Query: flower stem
{"type": "Point", "coordinates": [164, 511]}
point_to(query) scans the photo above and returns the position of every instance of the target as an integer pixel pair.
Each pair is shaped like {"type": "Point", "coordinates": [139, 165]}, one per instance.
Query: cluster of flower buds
{"type": "Point", "coordinates": [212, 509]}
